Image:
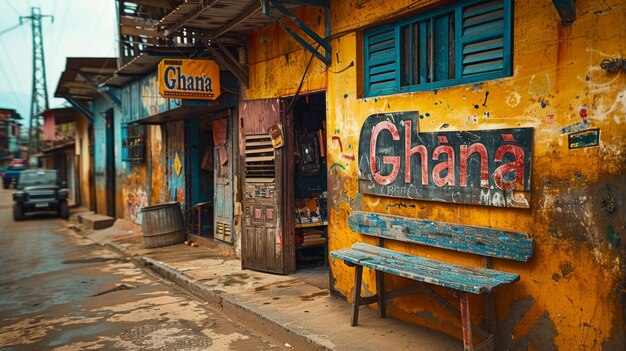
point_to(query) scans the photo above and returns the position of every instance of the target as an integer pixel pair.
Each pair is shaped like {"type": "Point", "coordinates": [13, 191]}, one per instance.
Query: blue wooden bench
{"type": "Point", "coordinates": [459, 279]}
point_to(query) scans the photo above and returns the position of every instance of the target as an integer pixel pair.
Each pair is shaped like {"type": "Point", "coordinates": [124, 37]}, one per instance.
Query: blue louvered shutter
{"type": "Point", "coordinates": [380, 61]}
{"type": "Point", "coordinates": [485, 40]}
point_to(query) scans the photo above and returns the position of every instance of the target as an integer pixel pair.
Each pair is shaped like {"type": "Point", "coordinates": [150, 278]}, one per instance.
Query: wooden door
{"type": "Point", "coordinates": [266, 245]}
{"type": "Point", "coordinates": [223, 183]}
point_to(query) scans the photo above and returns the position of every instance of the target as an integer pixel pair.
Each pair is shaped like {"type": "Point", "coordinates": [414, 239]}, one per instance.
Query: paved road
{"type": "Point", "coordinates": [60, 291]}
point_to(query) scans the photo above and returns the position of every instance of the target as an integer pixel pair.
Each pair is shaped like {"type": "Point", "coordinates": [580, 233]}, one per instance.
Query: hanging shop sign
{"type": "Point", "coordinates": [485, 167]}
{"type": "Point", "coordinates": [189, 79]}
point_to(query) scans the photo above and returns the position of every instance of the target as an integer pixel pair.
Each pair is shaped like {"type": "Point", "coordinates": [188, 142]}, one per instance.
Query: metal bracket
{"type": "Point", "coordinates": [325, 58]}
{"type": "Point", "coordinates": [78, 105]}
{"type": "Point", "coordinates": [104, 93]}
{"type": "Point", "coordinates": [566, 10]}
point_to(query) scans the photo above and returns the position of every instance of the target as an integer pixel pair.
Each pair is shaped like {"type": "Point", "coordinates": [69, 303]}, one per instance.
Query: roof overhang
{"type": "Point", "coordinates": [83, 75]}
{"type": "Point", "coordinates": [55, 148]}
{"type": "Point", "coordinates": [146, 63]}
{"type": "Point", "coordinates": [186, 112]}
{"type": "Point", "coordinates": [62, 115]}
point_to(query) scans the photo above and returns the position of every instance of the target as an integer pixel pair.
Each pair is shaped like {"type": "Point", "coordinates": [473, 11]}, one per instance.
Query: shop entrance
{"type": "Point", "coordinates": [308, 194]}
{"type": "Point", "coordinates": [284, 183]}
{"type": "Point", "coordinates": [209, 177]}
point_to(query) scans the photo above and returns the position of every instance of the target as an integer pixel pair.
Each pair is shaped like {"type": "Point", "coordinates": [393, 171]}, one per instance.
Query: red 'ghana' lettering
{"type": "Point", "coordinates": [392, 160]}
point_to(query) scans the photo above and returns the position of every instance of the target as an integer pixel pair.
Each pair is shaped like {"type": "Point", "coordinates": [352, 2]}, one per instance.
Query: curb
{"type": "Point", "coordinates": [222, 302]}
{"type": "Point", "coordinates": [231, 307]}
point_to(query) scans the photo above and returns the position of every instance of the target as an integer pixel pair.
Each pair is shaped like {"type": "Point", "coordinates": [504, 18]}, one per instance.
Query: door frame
{"type": "Point", "coordinates": [110, 161]}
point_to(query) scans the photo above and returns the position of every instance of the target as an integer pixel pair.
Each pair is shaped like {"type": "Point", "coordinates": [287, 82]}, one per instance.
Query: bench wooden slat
{"type": "Point", "coordinates": [473, 239]}
{"type": "Point", "coordinates": [459, 277]}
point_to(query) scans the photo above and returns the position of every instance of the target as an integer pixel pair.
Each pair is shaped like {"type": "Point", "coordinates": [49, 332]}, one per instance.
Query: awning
{"type": "Point", "coordinates": [61, 115]}
{"type": "Point", "coordinates": [214, 109]}
{"type": "Point", "coordinates": [83, 75]}
{"type": "Point", "coordinates": [59, 147]}
{"type": "Point", "coordinates": [146, 63]}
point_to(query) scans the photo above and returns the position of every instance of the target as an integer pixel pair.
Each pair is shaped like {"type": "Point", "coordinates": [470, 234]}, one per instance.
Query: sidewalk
{"type": "Point", "coordinates": [296, 308]}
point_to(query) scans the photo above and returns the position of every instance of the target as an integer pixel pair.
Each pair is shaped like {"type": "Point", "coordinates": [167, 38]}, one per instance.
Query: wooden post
{"type": "Point", "coordinates": [491, 322]}
{"type": "Point", "coordinates": [466, 324]}
{"type": "Point", "coordinates": [356, 300]}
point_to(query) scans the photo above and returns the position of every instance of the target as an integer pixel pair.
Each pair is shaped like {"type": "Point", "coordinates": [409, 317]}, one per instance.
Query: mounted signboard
{"type": "Point", "coordinates": [485, 167]}
{"type": "Point", "coordinates": [189, 79]}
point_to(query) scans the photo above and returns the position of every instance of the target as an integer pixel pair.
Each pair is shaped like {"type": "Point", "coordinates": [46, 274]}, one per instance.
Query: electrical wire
{"type": "Point", "coordinates": [12, 7]}
{"type": "Point", "coordinates": [295, 96]}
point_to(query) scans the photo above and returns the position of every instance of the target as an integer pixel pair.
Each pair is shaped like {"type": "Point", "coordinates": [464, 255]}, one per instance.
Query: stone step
{"type": "Point", "coordinates": [96, 221]}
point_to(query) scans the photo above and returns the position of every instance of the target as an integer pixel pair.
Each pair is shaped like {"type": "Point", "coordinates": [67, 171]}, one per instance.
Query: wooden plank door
{"type": "Point", "coordinates": [266, 245]}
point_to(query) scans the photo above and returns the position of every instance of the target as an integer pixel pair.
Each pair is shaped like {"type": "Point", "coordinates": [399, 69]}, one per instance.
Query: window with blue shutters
{"type": "Point", "coordinates": [465, 43]}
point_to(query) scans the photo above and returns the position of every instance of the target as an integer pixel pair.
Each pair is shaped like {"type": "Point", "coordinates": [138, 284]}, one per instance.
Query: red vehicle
{"type": "Point", "coordinates": [17, 161]}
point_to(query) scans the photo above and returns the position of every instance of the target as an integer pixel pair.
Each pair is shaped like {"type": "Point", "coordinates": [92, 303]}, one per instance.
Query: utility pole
{"type": "Point", "coordinates": [39, 96]}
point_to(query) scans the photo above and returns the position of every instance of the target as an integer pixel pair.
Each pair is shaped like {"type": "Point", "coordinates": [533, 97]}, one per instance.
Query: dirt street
{"type": "Point", "coordinates": [60, 291]}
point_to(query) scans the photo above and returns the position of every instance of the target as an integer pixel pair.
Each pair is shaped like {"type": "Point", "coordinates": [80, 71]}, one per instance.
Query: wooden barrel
{"type": "Point", "coordinates": [162, 225]}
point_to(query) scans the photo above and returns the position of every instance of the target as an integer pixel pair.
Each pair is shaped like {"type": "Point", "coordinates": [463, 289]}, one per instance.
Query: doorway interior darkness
{"type": "Point", "coordinates": [309, 192]}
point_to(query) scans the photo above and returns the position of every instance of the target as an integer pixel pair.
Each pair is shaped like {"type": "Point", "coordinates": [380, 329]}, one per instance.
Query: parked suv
{"type": "Point", "coordinates": [40, 190]}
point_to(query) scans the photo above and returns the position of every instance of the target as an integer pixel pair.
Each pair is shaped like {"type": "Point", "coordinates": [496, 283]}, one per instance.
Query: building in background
{"type": "Point", "coordinates": [9, 136]}
{"type": "Point", "coordinates": [79, 84]}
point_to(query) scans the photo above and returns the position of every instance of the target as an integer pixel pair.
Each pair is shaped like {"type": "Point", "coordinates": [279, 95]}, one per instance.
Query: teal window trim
{"type": "Point", "coordinates": [379, 67]}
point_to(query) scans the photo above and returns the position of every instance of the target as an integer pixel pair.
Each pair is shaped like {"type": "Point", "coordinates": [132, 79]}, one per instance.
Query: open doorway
{"type": "Point", "coordinates": [209, 176]}
{"type": "Point", "coordinates": [199, 182]}
{"type": "Point", "coordinates": [309, 193]}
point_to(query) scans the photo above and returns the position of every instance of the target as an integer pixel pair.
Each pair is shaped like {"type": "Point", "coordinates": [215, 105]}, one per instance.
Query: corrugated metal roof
{"type": "Point", "coordinates": [73, 81]}
{"type": "Point", "coordinates": [145, 63]}
{"type": "Point", "coordinates": [217, 17]}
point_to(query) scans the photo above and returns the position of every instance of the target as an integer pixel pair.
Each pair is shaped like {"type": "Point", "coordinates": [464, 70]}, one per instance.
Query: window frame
{"type": "Point", "coordinates": [135, 134]}
{"type": "Point", "coordinates": [459, 79]}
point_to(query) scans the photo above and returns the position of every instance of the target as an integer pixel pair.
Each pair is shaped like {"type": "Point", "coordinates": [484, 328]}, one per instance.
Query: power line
{"type": "Point", "coordinates": [8, 79]}
{"type": "Point", "coordinates": [12, 7]}
{"type": "Point", "coordinates": [10, 28]}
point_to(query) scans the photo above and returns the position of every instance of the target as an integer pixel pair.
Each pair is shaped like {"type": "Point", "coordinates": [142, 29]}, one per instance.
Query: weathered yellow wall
{"type": "Point", "coordinates": [82, 150]}
{"type": "Point", "coordinates": [571, 292]}
{"type": "Point", "coordinates": [277, 62]}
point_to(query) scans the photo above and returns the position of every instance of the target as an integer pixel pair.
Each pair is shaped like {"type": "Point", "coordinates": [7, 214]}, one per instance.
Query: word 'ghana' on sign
{"type": "Point", "coordinates": [461, 166]}
{"type": "Point", "coordinates": [189, 79]}
{"type": "Point", "coordinates": [175, 80]}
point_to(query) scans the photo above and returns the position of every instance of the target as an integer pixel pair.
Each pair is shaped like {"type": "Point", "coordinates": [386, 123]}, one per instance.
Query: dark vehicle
{"type": "Point", "coordinates": [12, 174]}
{"type": "Point", "coordinates": [40, 190]}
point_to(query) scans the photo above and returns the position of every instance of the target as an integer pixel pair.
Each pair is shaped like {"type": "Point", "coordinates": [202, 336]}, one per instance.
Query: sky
{"type": "Point", "coordinates": [81, 28]}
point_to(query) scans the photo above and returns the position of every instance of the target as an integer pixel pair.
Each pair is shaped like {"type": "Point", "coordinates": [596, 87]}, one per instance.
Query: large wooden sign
{"type": "Point", "coordinates": [486, 167]}
{"type": "Point", "coordinates": [189, 79]}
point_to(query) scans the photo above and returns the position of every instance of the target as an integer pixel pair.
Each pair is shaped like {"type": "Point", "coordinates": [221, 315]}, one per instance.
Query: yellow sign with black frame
{"type": "Point", "coordinates": [189, 79]}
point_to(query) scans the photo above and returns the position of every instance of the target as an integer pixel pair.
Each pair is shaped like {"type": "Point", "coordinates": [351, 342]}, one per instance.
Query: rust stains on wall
{"type": "Point", "coordinates": [571, 293]}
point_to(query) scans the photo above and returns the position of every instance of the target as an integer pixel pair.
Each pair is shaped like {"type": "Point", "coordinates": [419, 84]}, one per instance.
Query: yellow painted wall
{"type": "Point", "coordinates": [82, 150]}
{"type": "Point", "coordinates": [571, 292]}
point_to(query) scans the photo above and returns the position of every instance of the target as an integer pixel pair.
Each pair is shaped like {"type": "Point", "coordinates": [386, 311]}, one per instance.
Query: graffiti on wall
{"type": "Point", "coordinates": [136, 199]}
{"type": "Point", "coordinates": [486, 167]}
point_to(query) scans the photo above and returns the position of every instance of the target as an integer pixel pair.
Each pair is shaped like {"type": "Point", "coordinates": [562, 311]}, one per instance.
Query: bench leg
{"type": "Point", "coordinates": [466, 324]}
{"type": "Point", "coordinates": [380, 293]}
{"type": "Point", "coordinates": [356, 300]}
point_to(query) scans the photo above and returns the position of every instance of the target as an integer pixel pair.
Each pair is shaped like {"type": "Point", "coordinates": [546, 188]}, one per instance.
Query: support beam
{"type": "Point", "coordinates": [80, 107]}
{"type": "Point", "coordinates": [223, 57]}
{"type": "Point", "coordinates": [566, 10]}
{"type": "Point", "coordinates": [325, 58]}
{"type": "Point", "coordinates": [247, 13]}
